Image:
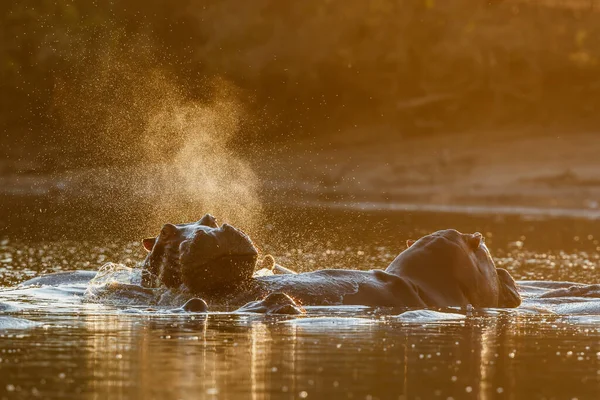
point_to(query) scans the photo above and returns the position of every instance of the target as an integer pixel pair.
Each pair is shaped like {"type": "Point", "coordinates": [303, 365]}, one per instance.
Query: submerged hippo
{"type": "Point", "coordinates": [445, 268]}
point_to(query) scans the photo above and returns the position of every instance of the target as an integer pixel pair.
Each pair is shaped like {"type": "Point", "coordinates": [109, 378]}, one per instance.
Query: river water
{"type": "Point", "coordinates": [53, 345]}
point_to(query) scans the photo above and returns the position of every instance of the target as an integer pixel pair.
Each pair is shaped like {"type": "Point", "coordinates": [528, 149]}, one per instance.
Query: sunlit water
{"type": "Point", "coordinates": [60, 347]}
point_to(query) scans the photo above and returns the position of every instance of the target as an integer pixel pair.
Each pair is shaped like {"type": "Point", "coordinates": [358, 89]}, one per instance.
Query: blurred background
{"type": "Point", "coordinates": [384, 101]}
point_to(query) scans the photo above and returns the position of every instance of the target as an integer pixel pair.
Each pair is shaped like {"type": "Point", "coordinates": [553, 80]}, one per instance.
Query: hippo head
{"type": "Point", "coordinates": [453, 267]}
{"type": "Point", "coordinates": [204, 256]}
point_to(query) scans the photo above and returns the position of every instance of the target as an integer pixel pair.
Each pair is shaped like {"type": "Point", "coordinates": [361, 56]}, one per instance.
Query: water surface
{"type": "Point", "coordinates": [63, 348]}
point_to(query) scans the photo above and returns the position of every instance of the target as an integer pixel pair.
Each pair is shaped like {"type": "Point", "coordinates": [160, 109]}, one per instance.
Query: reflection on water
{"type": "Point", "coordinates": [121, 356]}
{"type": "Point", "coordinates": [95, 352]}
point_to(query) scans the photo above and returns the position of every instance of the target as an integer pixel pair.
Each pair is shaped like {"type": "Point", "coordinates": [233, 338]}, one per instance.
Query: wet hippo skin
{"type": "Point", "coordinates": [217, 263]}
{"type": "Point", "coordinates": [274, 303]}
{"type": "Point", "coordinates": [195, 305]}
{"type": "Point", "coordinates": [445, 268]}
{"type": "Point", "coordinates": [61, 278]}
{"type": "Point", "coordinates": [201, 255]}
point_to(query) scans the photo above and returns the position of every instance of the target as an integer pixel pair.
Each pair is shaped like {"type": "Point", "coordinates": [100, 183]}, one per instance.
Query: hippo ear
{"type": "Point", "coordinates": [168, 230]}
{"type": "Point", "coordinates": [474, 240]}
{"type": "Point", "coordinates": [508, 295]}
{"type": "Point", "coordinates": [410, 242]}
{"type": "Point", "coordinates": [208, 220]}
{"type": "Point", "coordinates": [149, 243]}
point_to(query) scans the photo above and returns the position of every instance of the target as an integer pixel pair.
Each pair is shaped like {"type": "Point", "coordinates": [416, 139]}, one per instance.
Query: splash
{"type": "Point", "coordinates": [112, 273]}
{"type": "Point", "coordinates": [204, 173]}
{"type": "Point", "coordinates": [117, 284]}
{"type": "Point", "coordinates": [154, 145]}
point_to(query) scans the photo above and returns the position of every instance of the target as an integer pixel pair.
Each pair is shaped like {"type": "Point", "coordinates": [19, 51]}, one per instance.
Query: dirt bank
{"type": "Point", "coordinates": [500, 170]}
{"type": "Point", "coordinates": [496, 169]}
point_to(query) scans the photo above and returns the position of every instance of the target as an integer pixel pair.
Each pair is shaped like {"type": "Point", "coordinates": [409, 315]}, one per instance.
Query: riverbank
{"type": "Point", "coordinates": [496, 173]}
{"type": "Point", "coordinates": [502, 170]}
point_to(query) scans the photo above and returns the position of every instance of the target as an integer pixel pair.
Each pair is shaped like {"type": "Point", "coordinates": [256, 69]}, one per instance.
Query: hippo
{"type": "Point", "coordinates": [274, 303]}
{"type": "Point", "coordinates": [443, 269]}
{"type": "Point", "coordinates": [202, 255]}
